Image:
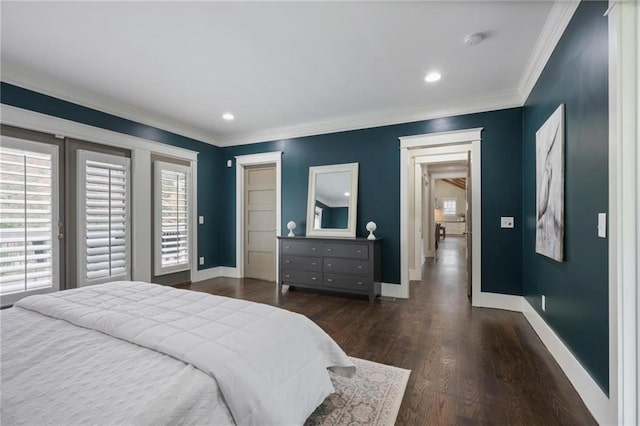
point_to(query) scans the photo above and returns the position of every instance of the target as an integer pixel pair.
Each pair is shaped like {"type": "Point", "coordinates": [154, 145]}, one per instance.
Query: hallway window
{"type": "Point", "coordinates": [449, 206]}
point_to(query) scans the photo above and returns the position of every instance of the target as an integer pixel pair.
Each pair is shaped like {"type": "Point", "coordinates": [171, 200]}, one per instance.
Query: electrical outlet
{"type": "Point", "coordinates": [544, 303]}
{"type": "Point", "coordinates": [201, 220]}
{"type": "Point", "coordinates": [506, 222]}
{"type": "Point", "coordinates": [229, 163]}
{"type": "Point", "coordinates": [201, 260]}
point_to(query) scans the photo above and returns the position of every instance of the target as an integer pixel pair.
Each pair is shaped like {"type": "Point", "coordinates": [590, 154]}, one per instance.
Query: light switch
{"type": "Point", "coordinates": [229, 163]}
{"type": "Point", "coordinates": [201, 220]}
{"type": "Point", "coordinates": [201, 260]}
{"type": "Point", "coordinates": [506, 222]}
{"type": "Point", "coordinates": [602, 225]}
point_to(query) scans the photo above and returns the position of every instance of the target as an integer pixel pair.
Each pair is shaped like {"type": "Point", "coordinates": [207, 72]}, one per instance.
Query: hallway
{"type": "Point", "coordinates": [470, 366]}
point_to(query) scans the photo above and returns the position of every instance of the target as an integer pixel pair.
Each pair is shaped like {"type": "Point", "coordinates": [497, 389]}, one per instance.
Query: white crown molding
{"type": "Point", "coordinates": [557, 21]}
{"type": "Point", "coordinates": [37, 82]}
{"type": "Point", "coordinates": [559, 17]}
{"type": "Point", "coordinates": [496, 101]}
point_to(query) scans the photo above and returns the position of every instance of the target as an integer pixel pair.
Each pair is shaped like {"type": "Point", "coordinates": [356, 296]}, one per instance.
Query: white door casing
{"type": "Point", "coordinates": [439, 143]}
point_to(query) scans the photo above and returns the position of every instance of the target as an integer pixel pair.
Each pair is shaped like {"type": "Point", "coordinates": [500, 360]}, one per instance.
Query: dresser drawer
{"type": "Point", "coordinates": [347, 282]}
{"type": "Point", "coordinates": [302, 248]}
{"type": "Point", "coordinates": [302, 277]}
{"type": "Point", "coordinates": [348, 266]}
{"type": "Point", "coordinates": [302, 263]}
{"type": "Point", "coordinates": [352, 251]}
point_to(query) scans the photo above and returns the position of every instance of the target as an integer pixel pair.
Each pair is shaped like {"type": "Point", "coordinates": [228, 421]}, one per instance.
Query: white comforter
{"type": "Point", "coordinates": [270, 364]}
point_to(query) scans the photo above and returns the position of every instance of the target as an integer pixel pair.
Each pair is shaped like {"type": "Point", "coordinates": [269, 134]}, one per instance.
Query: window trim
{"type": "Point", "coordinates": [51, 149]}
{"type": "Point", "coordinates": [158, 269]}
{"type": "Point", "coordinates": [82, 157]}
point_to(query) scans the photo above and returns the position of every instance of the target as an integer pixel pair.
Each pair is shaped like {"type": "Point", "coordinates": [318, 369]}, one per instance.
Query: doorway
{"type": "Point", "coordinates": [258, 215]}
{"type": "Point", "coordinates": [448, 146]}
{"type": "Point", "coordinates": [65, 206]}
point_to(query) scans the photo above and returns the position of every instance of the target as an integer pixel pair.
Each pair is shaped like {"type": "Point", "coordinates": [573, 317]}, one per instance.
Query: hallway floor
{"type": "Point", "coordinates": [470, 366]}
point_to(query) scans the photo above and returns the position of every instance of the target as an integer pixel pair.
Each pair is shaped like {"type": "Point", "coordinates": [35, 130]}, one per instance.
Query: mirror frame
{"type": "Point", "coordinates": [353, 201]}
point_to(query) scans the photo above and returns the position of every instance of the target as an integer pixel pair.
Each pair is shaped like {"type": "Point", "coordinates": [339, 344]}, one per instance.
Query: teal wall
{"type": "Point", "coordinates": [378, 154]}
{"type": "Point", "coordinates": [209, 159]}
{"type": "Point", "coordinates": [576, 290]}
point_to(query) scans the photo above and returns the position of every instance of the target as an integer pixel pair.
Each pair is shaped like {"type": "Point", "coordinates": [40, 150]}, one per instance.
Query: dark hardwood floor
{"type": "Point", "coordinates": [469, 366]}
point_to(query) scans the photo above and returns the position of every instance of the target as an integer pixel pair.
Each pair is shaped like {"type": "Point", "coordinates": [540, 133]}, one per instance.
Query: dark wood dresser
{"type": "Point", "coordinates": [347, 265]}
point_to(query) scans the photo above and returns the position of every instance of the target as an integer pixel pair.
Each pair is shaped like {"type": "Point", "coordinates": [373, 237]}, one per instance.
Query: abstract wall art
{"type": "Point", "coordinates": [550, 186]}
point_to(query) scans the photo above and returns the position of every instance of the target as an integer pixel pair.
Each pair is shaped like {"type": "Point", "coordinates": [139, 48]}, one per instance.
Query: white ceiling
{"type": "Point", "coordinates": [283, 69]}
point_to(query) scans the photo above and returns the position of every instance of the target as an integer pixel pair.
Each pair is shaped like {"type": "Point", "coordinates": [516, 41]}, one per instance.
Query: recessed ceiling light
{"type": "Point", "coordinates": [432, 77]}
{"type": "Point", "coordinates": [228, 116]}
{"type": "Point", "coordinates": [346, 194]}
{"type": "Point", "coordinates": [473, 39]}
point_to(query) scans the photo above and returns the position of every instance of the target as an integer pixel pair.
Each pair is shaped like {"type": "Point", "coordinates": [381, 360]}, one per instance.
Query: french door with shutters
{"type": "Point", "coordinates": [29, 225]}
{"type": "Point", "coordinates": [103, 218]}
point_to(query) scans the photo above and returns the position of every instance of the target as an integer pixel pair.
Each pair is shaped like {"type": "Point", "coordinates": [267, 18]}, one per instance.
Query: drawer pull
{"type": "Point", "coordinates": [287, 276]}
{"type": "Point", "coordinates": [313, 248]}
{"type": "Point", "coordinates": [359, 251]}
{"type": "Point", "coordinates": [329, 280]}
{"type": "Point", "coordinates": [359, 282]}
{"type": "Point", "coordinates": [328, 264]}
{"type": "Point", "coordinates": [314, 278]}
{"type": "Point", "coordinates": [287, 261]}
{"type": "Point", "coordinates": [359, 266]}
{"type": "Point", "coordinates": [328, 249]}
{"type": "Point", "coordinates": [313, 263]}
{"type": "Point", "coordinates": [287, 246]}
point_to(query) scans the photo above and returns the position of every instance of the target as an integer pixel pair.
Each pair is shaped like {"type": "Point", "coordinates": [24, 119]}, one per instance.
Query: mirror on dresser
{"type": "Point", "coordinates": [332, 200]}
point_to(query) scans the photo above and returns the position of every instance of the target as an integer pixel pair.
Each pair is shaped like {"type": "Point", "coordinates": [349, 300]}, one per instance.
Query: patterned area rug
{"type": "Point", "coordinates": [371, 397]}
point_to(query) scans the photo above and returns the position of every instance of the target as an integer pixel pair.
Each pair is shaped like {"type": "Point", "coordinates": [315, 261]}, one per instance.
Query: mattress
{"type": "Point", "coordinates": [55, 373]}
{"type": "Point", "coordinates": [139, 353]}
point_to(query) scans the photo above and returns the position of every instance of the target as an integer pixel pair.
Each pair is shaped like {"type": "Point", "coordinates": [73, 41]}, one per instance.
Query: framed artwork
{"type": "Point", "coordinates": [550, 186]}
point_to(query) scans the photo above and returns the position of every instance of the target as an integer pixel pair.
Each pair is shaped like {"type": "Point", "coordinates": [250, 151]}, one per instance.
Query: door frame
{"type": "Point", "coordinates": [624, 216]}
{"type": "Point", "coordinates": [242, 161]}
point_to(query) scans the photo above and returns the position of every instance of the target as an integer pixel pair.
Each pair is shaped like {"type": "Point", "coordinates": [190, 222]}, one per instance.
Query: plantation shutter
{"type": "Point", "coordinates": [29, 210]}
{"type": "Point", "coordinates": [103, 218]}
{"type": "Point", "coordinates": [172, 224]}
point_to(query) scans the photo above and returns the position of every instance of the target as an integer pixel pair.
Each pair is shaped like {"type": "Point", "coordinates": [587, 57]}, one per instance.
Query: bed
{"type": "Point", "coordinates": [139, 353]}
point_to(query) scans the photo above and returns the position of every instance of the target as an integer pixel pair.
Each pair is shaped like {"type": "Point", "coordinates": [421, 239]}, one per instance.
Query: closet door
{"type": "Point", "coordinates": [30, 225]}
{"type": "Point", "coordinates": [103, 218]}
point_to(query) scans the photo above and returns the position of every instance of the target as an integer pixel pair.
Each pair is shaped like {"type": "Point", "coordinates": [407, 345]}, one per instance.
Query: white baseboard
{"type": "Point", "coordinates": [430, 253]}
{"type": "Point", "coordinates": [415, 274]}
{"type": "Point", "coordinates": [218, 271]}
{"type": "Point", "coordinates": [393, 290]}
{"type": "Point", "coordinates": [230, 271]}
{"type": "Point", "coordinates": [506, 302]}
{"type": "Point", "coordinates": [597, 402]}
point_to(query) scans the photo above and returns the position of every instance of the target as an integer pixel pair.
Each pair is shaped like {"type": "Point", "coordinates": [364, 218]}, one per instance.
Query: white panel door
{"type": "Point", "coordinates": [260, 222]}
{"type": "Point", "coordinates": [29, 210]}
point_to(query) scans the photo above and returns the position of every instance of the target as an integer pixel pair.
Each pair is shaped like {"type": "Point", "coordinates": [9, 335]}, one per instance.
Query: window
{"type": "Point", "coordinates": [29, 209]}
{"type": "Point", "coordinates": [449, 206]}
{"type": "Point", "coordinates": [172, 225]}
{"type": "Point", "coordinates": [103, 218]}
